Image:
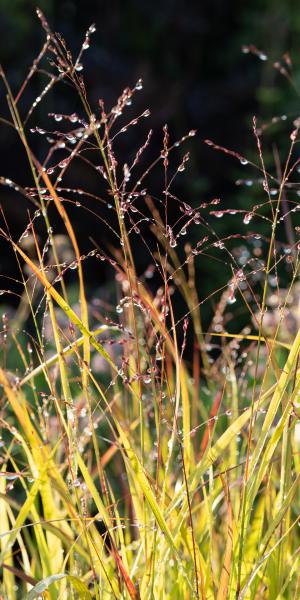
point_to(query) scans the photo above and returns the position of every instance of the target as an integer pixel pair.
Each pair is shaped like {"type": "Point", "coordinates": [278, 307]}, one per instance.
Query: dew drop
{"type": "Point", "coordinates": [247, 218]}
{"type": "Point", "coordinates": [63, 163]}
{"type": "Point", "coordinates": [139, 84]}
{"type": "Point", "coordinates": [11, 476]}
{"type": "Point", "coordinates": [219, 244]}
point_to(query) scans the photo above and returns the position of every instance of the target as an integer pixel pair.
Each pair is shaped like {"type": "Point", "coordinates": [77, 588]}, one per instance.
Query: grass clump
{"type": "Point", "coordinates": [143, 455]}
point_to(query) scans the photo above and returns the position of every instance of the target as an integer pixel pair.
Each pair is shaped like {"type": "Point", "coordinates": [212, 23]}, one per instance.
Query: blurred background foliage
{"type": "Point", "coordinates": [195, 76]}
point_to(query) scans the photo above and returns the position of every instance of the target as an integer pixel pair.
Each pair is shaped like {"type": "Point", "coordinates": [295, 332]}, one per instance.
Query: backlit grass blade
{"type": "Point", "coordinates": [76, 583]}
{"type": "Point", "coordinates": [107, 521]}
{"type": "Point", "coordinates": [8, 575]}
{"type": "Point", "coordinates": [65, 307]}
{"type": "Point", "coordinates": [22, 516]}
{"type": "Point", "coordinates": [225, 574]}
{"type": "Point", "coordinates": [218, 448]}
{"type": "Point", "coordinates": [280, 389]}
{"type": "Point", "coordinates": [83, 303]}
{"type": "Point", "coordinates": [66, 351]}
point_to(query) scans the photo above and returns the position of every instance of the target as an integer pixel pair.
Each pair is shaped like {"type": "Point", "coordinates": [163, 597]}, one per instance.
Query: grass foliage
{"type": "Point", "coordinates": [142, 456]}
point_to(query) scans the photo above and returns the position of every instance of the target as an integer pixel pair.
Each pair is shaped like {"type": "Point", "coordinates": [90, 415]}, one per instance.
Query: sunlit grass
{"type": "Point", "coordinates": [141, 455]}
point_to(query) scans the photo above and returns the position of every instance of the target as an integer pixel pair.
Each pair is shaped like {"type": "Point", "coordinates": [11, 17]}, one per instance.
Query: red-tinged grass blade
{"type": "Point", "coordinates": [132, 590]}
{"type": "Point", "coordinates": [20, 574]}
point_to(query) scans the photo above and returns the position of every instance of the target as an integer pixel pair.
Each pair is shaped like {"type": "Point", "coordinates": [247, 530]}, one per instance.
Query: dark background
{"type": "Point", "coordinates": [195, 76]}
